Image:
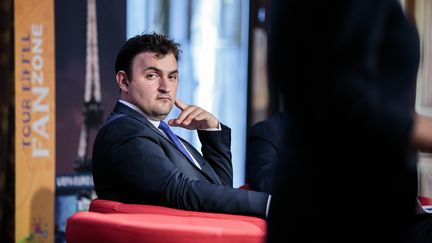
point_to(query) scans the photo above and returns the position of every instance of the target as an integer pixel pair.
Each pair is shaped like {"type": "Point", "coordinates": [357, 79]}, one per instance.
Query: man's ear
{"type": "Point", "coordinates": [122, 80]}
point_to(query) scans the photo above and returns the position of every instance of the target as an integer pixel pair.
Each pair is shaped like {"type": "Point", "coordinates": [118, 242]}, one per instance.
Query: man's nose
{"type": "Point", "coordinates": [164, 84]}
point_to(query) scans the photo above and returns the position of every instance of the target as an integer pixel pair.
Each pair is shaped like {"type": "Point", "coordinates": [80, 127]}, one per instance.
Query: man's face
{"type": "Point", "coordinates": [153, 85]}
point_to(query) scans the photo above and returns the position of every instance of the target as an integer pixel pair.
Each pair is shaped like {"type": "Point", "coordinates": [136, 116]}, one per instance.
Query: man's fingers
{"type": "Point", "coordinates": [172, 122]}
{"type": "Point", "coordinates": [180, 104]}
{"type": "Point", "coordinates": [192, 116]}
{"type": "Point", "coordinates": [185, 113]}
{"type": "Point", "coordinates": [188, 117]}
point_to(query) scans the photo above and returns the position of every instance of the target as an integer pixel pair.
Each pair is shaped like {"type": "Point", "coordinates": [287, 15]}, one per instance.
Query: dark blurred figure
{"type": "Point", "coordinates": [347, 70]}
{"type": "Point", "coordinates": [267, 145]}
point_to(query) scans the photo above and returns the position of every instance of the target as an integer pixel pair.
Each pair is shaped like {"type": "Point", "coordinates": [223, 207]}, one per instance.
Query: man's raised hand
{"type": "Point", "coordinates": [193, 117]}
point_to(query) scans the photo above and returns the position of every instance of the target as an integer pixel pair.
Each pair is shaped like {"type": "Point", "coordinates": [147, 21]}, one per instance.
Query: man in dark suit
{"type": "Point", "coordinates": [137, 159]}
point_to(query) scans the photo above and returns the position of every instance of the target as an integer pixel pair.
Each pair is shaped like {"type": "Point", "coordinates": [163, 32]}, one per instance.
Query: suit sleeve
{"type": "Point", "coordinates": [216, 149]}
{"type": "Point", "coordinates": [262, 155]}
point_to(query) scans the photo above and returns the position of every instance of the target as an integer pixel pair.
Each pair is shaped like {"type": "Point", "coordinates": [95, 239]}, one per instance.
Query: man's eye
{"type": "Point", "coordinates": [151, 76]}
{"type": "Point", "coordinates": [173, 77]}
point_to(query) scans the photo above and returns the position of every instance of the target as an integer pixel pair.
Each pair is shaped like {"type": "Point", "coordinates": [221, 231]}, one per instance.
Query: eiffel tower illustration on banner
{"type": "Point", "coordinates": [92, 109]}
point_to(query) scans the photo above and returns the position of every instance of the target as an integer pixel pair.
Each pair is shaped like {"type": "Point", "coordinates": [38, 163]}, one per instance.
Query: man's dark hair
{"type": "Point", "coordinates": [156, 43]}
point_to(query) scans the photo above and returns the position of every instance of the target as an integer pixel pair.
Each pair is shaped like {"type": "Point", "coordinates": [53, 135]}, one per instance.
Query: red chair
{"type": "Point", "coordinates": [108, 206]}
{"type": "Point", "coordinates": [424, 205]}
{"type": "Point", "coordinates": [110, 221]}
{"type": "Point", "coordinates": [425, 201]}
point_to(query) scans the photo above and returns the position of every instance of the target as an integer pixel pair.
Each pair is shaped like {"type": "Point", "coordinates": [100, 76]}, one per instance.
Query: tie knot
{"type": "Point", "coordinates": [167, 130]}
{"type": "Point", "coordinates": [163, 126]}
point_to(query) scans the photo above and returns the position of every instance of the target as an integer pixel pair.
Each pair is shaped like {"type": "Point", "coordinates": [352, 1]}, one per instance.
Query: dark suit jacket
{"type": "Point", "coordinates": [133, 162]}
{"type": "Point", "coordinates": [267, 145]}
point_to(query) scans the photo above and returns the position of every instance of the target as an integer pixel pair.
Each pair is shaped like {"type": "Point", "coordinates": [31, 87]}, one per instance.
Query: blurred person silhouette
{"type": "Point", "coordinates": [138, 159]}
{"type": "Point", "coordinates": [347, 71]}
{"type": "Point", "coordinates": [267, 145]}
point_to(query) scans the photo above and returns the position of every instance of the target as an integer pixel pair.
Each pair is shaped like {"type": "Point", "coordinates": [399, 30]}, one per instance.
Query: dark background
{"type": "Point", "coordinates": [70, 27]}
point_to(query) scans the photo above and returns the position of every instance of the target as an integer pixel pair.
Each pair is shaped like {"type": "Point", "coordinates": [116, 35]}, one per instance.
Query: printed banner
{"type": "Point", "coordinates": [88, 35]}
{"type": "Point", "coordinates": [35, 120]}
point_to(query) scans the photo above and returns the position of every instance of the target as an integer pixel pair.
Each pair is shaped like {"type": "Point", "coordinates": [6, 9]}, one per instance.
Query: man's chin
{"type": "Point", "coordinates": [161, 115]}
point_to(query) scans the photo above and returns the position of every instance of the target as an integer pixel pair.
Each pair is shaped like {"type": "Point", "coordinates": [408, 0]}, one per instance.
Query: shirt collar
{"type": "Point", "coordinates": [135, 108]}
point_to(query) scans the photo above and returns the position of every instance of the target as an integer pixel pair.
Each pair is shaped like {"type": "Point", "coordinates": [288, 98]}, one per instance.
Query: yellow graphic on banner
{"type": "Point", "coordinates": [35, 120]}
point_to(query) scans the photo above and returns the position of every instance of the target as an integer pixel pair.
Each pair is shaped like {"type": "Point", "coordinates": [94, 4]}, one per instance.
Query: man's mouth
{"type": "Point", "coordinates": [164, 98]}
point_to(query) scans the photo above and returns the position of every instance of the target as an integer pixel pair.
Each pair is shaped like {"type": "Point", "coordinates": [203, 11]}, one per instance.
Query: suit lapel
{"type": "Point", "coordinates": [208, 172]}
{"type": "Point", "coordinates": [122, 108]}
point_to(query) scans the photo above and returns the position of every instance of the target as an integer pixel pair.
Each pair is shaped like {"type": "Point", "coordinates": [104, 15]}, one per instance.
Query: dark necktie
{"type": "Point", "coordinates": [165, 128]}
